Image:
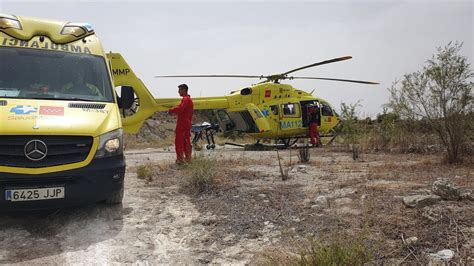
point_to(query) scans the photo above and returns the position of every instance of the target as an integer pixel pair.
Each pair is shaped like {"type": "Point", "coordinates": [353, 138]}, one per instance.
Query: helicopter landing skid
{"type": "Point", "coordinates": [264, 147]}
{"type": "Point", "coordinates": [256, 146]}
{"type": "Point", "coordinates": [332, 137]}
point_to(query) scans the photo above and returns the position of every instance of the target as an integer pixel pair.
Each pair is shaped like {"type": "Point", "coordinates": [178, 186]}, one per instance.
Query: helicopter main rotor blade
{"type": "Point", "coordinates": [210, 76]}
{"type": "Point", "coordinates": [333, 79]}
{"type": "Point", "coordinates": [319, 63]}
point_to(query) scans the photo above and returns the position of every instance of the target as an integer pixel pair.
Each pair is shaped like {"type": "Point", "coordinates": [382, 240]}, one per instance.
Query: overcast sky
{"type": "Point", "coordinates": [386, 39]}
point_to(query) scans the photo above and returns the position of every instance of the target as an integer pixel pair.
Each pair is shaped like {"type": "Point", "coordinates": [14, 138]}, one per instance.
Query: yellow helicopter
{"type": "Point", "coordinates": [269, 109]}
{"type": "Point", "coordinates": [266, 110]}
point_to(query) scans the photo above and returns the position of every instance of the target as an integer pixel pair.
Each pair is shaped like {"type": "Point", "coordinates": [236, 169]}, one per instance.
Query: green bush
{"type": "Point", "coordinates": [440, 93]}
{"type": "Point", "coordinates": [351, 129]}
{"type": "Point", "coordinates": [200, 175]}
{"type": "Point", "coordinates": [338, 252]}
{"type": "Point", "coordinates": [145, 171]}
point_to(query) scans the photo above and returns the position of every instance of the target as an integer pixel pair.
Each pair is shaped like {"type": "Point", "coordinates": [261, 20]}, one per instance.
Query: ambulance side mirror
{"type": "Point", "coordinates": [127, 96]}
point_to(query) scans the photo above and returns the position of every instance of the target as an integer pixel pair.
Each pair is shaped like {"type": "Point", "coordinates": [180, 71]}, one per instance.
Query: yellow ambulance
{"type": "Point", "coordinates": [61, 130]}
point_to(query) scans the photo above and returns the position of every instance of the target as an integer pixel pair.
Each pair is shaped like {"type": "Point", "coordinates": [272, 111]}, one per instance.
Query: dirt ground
{"type": "Point", "coordinates": [253, 213]}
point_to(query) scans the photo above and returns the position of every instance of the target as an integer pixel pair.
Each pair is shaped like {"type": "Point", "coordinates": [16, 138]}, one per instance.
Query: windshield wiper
{"type": "Point", "coordinates": [74, 99]}
{"type": "Point", "coordinates": [55, 98]}
{"type": "Point", "coordinates": [63, 99]}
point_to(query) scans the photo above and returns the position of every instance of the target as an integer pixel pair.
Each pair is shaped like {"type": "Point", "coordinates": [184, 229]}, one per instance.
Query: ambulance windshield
{"type": "Point", "coordinates": [53, 75]}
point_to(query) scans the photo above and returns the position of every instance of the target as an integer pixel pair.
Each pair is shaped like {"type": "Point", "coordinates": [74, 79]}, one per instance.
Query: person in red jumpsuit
{"type": "Point", "coordinates": [184, 112]}
{"type": "Point", "coordinates": [313, 115]}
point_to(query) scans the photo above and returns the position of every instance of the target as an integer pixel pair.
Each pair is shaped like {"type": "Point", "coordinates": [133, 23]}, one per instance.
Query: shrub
{"type": "Point", "coordinates": [200, 175]}
{"type": "Point", "coordinates": [338, 252]}
{"type": "Point", "coordinates": [441, 95]}
{"type": "Point", "coordinates": [145, 171]}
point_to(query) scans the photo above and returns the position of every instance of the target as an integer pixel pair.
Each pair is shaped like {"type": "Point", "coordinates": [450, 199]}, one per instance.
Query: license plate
{"type": "Point", "coordinates": [34, 194]}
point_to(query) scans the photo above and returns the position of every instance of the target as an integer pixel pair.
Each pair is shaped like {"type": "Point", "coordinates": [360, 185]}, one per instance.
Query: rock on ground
{"type": "Point", "coordinates": [432, 214]}
{"type": "Point", "coordinates": [411, 241]}
{"type": "Point", "coordinates": [446, 190]}
{"type": "Point", "coordinates": [467, 196]}
{"type": "Point", "coordinates": [420, 201]}
{"type": "Point", "coordinates": [444, 255]}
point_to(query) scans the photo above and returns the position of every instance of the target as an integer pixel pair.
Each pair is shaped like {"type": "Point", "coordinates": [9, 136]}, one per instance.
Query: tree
{"type": "Point", "coordinates": [350, 130]}
{"type": "Point", "coordinates": [441, 94]}
{"type": "Point", "coordinates": [349, 117]}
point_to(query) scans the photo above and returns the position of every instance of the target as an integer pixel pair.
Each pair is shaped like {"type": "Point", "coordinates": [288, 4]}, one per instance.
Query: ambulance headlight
{"type": "Point", "coordinates": [110, 144]}
{"type": "Point", "coordinates": [9, 22]}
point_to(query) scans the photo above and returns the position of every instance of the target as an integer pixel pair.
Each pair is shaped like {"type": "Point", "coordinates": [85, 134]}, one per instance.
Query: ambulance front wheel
{"type": "Point", "coordinates": [116, 198]}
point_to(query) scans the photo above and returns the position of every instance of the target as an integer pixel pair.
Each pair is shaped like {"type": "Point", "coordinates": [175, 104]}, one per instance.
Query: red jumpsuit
{"type": "Point", "coordinates": [313, 126]}
{"type": "Point", "coordinates": [314, 134]}
{"type": "Point", "coordinates": [182, 142]}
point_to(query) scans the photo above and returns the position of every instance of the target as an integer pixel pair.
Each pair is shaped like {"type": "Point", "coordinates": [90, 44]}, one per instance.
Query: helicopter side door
{"type": "Point", "coordinates": [305, 117]}
{"type": "Point", "coordinates": [327, 116]}
{"type": "Point", "coordinates": [225, 122]}
{"type": "Point", "coordinates": [258, 117]}
{"type": "Point", "coordinates": [272, 113]}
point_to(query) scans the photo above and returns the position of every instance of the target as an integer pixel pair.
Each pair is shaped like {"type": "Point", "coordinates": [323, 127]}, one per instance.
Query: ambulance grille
{"type": "Point", "coordinates": [87, 105]}
{"type": "Point", "coordinates": [3, 103]}
{"type": "Point", "coordinates": [61, 150]}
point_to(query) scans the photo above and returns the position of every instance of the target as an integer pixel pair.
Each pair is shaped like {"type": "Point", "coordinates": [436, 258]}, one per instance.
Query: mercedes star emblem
{"type": "Point", "coordinates": [36, 150]}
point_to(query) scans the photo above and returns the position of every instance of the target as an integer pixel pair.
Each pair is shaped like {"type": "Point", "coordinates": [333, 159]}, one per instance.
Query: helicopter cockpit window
{"type": "Point", "coordinates": [274, 109]}
{"type": "Point", "coordinates": [290, 109]}
{"type": "Point", "coordinates": [246, 91]}
{"type": "Point", "coordinates": [326, 110]}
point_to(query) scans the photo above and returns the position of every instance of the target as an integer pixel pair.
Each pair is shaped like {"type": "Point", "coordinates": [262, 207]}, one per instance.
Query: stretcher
{"type": "Point", "coordinates": [205, 129]}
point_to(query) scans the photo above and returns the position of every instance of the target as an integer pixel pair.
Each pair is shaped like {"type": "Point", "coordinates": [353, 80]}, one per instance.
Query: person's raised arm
{"type": "Point", "coordinates": [180, 108]}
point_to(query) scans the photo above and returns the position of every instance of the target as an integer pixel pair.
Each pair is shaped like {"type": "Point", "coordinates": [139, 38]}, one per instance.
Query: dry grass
{"type": "Point", "coordinates": [412, 168]}
{"type": "Point", "coordinates": [391, 222]}
{"type": "Point", "coordinates": [388, 219]}
{"type": "Point", "coordinates": [379, 183]}
{"type": "Point", "coordinates": [238, 159]}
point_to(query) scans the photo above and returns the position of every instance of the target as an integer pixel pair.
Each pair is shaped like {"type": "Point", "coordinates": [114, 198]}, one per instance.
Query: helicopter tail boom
{"type": "Point", "coordinates": [200, 103]}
